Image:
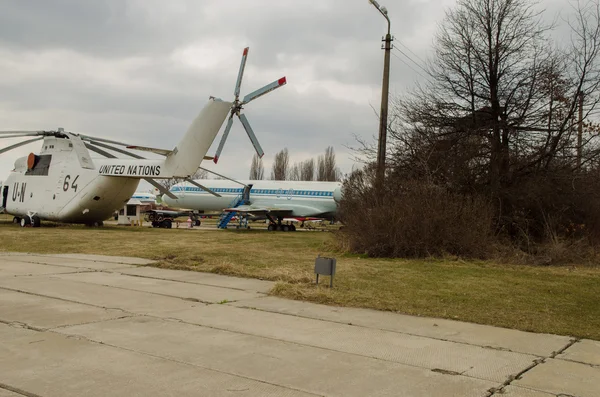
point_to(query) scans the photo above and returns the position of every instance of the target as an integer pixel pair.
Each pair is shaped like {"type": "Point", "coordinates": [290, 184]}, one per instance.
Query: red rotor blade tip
{"type": "Point", "coordinates": [216, 159]}
{"type": "Point", "coordinates": [246, 50]}
{"type": "Point", "coordinates": [282, 81]}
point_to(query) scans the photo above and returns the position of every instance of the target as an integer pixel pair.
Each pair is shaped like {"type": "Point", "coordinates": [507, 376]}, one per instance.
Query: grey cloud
{"type": "Point", "coordinates": [311, 42]}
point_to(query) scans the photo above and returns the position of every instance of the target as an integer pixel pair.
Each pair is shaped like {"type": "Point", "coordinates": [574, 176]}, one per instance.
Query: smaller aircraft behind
{"type": "Point", "coordinates": [273, 200]}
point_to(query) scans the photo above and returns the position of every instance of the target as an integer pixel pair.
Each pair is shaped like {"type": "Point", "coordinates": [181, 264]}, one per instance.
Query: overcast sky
{"type": "Point", "coordinates": [140, 70]}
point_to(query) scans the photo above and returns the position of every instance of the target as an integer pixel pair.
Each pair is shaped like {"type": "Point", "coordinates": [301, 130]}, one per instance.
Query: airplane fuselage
{"type": "Point", "coordinates": [303, 199]}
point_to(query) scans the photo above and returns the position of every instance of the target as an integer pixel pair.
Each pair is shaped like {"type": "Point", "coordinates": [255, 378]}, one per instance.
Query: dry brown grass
{"type": "Point", "coordinates": [562, 300]}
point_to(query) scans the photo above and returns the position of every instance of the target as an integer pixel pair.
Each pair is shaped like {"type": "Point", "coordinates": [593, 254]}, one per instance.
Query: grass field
{"type": "Point", "coordinates": [561, 300]}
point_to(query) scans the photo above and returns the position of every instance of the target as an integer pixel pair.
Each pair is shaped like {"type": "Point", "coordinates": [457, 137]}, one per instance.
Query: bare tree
{"type": "Point", "coordinates": [200, 174]}
{"type": "Point", "coordinates": [280, 165]}
{"type": "Point", "coordinates": [326, 166]}
{"type": "Point", "coordinates": [501, 101]}
{"type": "Point", "coordinates": [321, 168]}
{"type": "Point", "coordinates": [257, 170]}
{"type": "Point", "coordinates": [294, 173]}
{"type": "Point", "coordinates": [507, 113]}
{"type": "Point", "coordinates": [307, 170]}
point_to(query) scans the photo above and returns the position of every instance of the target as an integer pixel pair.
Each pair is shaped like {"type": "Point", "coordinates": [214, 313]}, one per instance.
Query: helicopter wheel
{"type": "Point", "coordinates": [26, 221]}
{"type": "Point", "coordinates": [17, 220]}
{"type": "Point", "coordinates": [36, 221]}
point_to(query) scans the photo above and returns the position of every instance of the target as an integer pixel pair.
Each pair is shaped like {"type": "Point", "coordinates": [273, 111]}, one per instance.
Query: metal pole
{"type": "Point", "coordinates": [383, 116]}
{"type": "Point", "coordinates": [385, 87]}
{"type": "Point", "coordinates": [580, 131]}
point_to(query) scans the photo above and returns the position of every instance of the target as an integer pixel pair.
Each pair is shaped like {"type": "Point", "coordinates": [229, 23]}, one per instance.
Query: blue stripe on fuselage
{"type": "Point", "coordinates": [262, 192]}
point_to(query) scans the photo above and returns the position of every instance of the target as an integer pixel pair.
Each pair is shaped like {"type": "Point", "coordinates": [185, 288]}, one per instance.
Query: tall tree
{"type": "Point", "coordinates": [279, 171]}
{"type": "Point", "coordinates": [257, 170]}
{"type": "Point", "coordinates": [327, 169]}
{"type": "Point", "coordinates": [501, 101]}
{"type": "Point", "coordinates": [294, 173]}
{"type": "Point", "coordinates": [307, 170]}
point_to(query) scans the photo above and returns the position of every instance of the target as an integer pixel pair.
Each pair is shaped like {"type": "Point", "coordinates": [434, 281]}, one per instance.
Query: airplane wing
{"type": "Point", "coordinates": [162, 152]}
{"type": "Point", "coordinates": [257, 211]}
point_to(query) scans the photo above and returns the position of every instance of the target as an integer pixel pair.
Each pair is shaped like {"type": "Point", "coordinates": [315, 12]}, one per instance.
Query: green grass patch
{"type": "Point", "coordinates": [560, 300]}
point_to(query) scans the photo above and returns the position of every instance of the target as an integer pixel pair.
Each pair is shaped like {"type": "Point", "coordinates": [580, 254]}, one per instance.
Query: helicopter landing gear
{"type": "Point", "coordinates": [28, 220]}
{"type": "Point", "coordinates": [95, 224]}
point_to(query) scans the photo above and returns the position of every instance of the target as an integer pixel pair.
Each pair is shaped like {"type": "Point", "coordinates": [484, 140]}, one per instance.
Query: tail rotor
{"type": "Point", "coordinates": [237, 107]}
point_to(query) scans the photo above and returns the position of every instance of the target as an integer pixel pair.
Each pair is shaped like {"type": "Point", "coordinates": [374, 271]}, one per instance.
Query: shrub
{"type": "Point", "coordinates": [412, 219]}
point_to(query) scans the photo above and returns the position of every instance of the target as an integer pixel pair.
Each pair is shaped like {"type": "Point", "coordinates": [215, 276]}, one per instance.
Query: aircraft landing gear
{"type": "Point", "coordinates": [95, 224]}
{"type": "Point", "coordinates": [28, 221]}
{"type": "Point", "coordinates": [36, 221]}
{"type": "Point", "coordinates": [281, 227]}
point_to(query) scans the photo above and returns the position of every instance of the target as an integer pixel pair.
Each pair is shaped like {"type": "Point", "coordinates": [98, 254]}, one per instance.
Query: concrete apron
{"type": "Point", "coordinates": [104, 326]}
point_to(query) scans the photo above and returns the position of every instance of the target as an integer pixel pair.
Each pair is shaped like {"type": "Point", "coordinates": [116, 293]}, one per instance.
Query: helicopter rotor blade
{"type": "Point", "coordinates": [16, 145]}
{"type": "Point", "coordinates": [222, 176]}
{"type": "Point", "coordinates": [238, 83]}
{"type": "Point", "coordinates": [223, 138]}
{"type": "Point", "coordinates": [264, 90]}
{"type": "Point", "coordinates": [135, 156]}
{"type": "Point", "coordinates": [161, 188]}
{"type": "Point", "coordinates": [92, 138]}
{"type": "Point", "coordinates": [99, 151]}
{"type": "Point", "coordinates": [251, 135]}
{"type": "Point", "coordinates": [21, 132]}
{"type": "Point", "coordinates": [19, 135]}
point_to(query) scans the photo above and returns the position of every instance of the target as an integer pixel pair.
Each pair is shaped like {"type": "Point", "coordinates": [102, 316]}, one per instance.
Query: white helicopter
{"type": "Point", "coordinates": [62, 183]}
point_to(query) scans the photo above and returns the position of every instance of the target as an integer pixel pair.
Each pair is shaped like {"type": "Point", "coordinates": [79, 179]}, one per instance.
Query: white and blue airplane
{"type": "Point", "coordinates": [260, 199]}
{"type": "Point", "coordinates": [144, 197]}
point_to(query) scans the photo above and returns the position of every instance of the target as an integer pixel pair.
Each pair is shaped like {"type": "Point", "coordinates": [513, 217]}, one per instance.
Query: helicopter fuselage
{"type": "Point", "coordinates": [63, 183]}
{"type": "Point", "coordinates": [58, 189]}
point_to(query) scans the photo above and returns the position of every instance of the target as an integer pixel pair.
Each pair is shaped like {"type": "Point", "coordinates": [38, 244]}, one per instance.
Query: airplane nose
{"type": "Point", "coordinates": [337, 194]}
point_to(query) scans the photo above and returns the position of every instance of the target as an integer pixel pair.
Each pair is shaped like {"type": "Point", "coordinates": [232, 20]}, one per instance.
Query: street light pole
{"type": "Point", "coordinates": [383, 116]}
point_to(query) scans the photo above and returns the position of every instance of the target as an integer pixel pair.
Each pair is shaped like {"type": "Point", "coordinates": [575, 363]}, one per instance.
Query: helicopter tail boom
{"type": "Point", "coordinates": [184, 160]}
{"type": "Point", "coordinates": [190, 151]}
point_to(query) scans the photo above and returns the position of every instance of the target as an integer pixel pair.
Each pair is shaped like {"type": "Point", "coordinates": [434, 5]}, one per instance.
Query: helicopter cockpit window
{"type": "Point", "coordinates": [41, 166]}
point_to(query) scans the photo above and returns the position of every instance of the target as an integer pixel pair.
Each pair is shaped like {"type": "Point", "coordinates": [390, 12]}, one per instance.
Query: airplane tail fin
{"type": "Point", "coordinates": [189, 152]}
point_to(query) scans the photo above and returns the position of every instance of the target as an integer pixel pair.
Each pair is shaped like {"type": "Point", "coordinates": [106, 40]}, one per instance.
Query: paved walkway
{"type": "Point", "coordinates": [84, 325]}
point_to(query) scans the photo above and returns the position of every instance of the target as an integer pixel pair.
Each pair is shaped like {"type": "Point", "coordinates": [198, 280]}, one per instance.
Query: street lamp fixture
{"type": "Point", "coordinates": [384, 99]}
